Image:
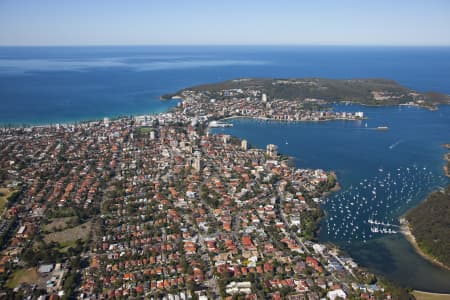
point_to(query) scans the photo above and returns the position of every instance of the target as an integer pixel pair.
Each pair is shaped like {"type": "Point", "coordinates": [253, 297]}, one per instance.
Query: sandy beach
{"type": "Point", "coordinates": [430, 296]}
{"type": "Point", "coordinates": [406, 231]}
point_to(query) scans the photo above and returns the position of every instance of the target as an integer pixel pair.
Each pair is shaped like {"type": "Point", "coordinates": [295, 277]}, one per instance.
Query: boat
{"type": "Point", "coordinates": [382, 128]}
{"type": "Point", "coordinates": [216, 124]}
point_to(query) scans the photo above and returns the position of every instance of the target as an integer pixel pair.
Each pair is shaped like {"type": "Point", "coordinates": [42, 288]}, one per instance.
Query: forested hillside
{"type": "Point", "coordinates": [430, 224]}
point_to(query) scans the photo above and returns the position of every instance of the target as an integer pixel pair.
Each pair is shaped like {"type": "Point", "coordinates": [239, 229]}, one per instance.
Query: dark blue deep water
{"type": "Point", "coordinates": [383, 174]}
{"type": "Point", "coordinates": [56, 84]}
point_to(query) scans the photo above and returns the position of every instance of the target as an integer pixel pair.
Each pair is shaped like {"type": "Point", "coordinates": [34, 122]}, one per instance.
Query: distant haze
{"type": "Point", "coordinates": [244, 22]}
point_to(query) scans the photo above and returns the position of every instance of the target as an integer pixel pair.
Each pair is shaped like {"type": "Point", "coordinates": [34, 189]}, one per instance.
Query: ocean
{"type": "Point", "coordinates": [40, 85]}
{"type": "Point", "coordinates": [383, 174]}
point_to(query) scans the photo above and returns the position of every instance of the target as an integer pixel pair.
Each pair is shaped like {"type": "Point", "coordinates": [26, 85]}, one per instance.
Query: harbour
{"type": "Point", "coordinates": [371, 207]}
{"type": "Point", "coordinates": [351, 148]}
{"type": "Point", "coordinates": [382, 175]}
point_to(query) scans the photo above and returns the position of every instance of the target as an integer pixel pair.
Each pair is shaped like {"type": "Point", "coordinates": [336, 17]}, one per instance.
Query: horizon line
{"type": "Point", "coordinates": [229, 45]}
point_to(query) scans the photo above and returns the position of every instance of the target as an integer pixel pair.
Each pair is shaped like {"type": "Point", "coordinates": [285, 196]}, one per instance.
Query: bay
{"type": "Point", "coordinates": [382, 173]}
{"type": "Point", "coordinates": [42, 85]}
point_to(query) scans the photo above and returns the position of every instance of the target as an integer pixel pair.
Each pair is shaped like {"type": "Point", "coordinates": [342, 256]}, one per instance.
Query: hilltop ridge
{"type": "Point", "coordinates": [368, 91]}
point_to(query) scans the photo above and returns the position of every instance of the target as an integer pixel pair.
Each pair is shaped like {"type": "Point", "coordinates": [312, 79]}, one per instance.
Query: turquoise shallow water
{"type": "Point", "coordinates": [382, 173]}
{"type": "Point", "coordinates": [40, 85]}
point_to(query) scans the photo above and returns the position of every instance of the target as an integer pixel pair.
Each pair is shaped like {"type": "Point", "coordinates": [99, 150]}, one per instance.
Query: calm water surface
{"type": "Point", "coordinates": [40, 85]}
{"type": "Point", "coordinates": [383, 174]}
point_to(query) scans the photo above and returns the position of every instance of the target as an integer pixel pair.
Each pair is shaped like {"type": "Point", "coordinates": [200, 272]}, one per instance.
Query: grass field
{"type": "Point", "coordinates": [66, 245]}
{"type": "Point", "coordinates": [23, 276]}
{"type": "Point", "coordinates": [58, 224]}
{"type": "Point", "coordinates": [430, 296]}
{"type": "Point", "coordinates": [68, 236]}
{"type": "Point", "coordinates": [145, 129]}
{"type": "Point", "coordinates": [4, 194]}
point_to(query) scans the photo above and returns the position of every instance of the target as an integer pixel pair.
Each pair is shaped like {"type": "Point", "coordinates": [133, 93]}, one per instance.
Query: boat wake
{"type": "Point", "coordinates": [395, 144]}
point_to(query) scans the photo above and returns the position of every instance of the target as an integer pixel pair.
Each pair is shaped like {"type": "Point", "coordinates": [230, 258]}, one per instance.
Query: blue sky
{"type": "Point", "coordinates": [188, 22]}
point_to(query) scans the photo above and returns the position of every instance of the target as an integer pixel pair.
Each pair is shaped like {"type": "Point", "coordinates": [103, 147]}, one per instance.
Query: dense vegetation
{"type": "Point", "coordinates": [330, 90]}
{"type": "Point", "coordinates": [430, 224]}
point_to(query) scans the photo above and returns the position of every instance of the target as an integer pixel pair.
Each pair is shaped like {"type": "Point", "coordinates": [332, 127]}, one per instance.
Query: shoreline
{"type": "Point", "coordinates": [337, 187]}
{"type": "Point", "coordinates": [115, 117]}
{"type": "Point", "coordinates": [289, 121]}
{"type": "Point", "coordinates": [435, 107]}
{"type": "Point", "coordinates": [407, 233]}
{"type": "Point", "coordinates": [447, 159]}
{"type": "Point", "coordinates": [426, 295]}
{"type": "Point", "coordinates": [283, 121]}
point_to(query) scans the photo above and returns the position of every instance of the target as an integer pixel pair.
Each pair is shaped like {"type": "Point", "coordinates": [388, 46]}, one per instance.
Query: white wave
{"type": "Point", "coordinates": [24, 66]}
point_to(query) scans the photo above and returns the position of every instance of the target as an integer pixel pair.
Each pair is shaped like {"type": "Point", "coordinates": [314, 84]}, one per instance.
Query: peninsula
{"type": "Point", "coordinates": [314, 92]}
{"type": "Point", "coordinates": [154, 206]}
{"type": "Point", "coordinates": [447, 160]}
{"type": "Point", "coordinates": [427, 225]}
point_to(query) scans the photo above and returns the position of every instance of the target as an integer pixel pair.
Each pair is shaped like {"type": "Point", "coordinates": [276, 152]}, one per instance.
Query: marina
{"type": "Point", "coordinates": [354, 150]}
{"type": "Point", "coordinates": [371, 208]}
{"type": "Point", "coordinates": [382, 176]}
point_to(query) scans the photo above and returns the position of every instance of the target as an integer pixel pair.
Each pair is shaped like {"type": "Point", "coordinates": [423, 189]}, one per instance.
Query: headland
{"type": "Point", "coordinates": [426, 226]}
{"type": "Point", "coordinates": [316, 92]}
{"type": "Point", "coordinates": [153, 205]}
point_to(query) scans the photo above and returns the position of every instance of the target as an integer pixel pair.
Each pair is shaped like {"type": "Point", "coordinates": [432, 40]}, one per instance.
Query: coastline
{"type": "Point", "coordinates": [113, 117]}
{"type": "Point", "coordinates": [290, 121]}
{"type": "Point", "coordinates": [435, 107]}
{"type": "Point", "coordinates": [422, 295]}
{"type": "Point", "coordinates": [446, 168]}
{"type": "Point", "coordinates": [336, 188]}
{"type": "Point", "coordinates": [286, 121]}
{"type": "Point", "coordinates": [406, 230]}
{"type": "Point", "coordinates": [407, 233]}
